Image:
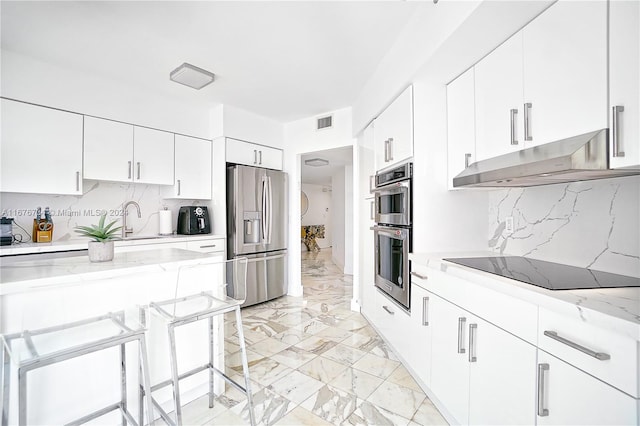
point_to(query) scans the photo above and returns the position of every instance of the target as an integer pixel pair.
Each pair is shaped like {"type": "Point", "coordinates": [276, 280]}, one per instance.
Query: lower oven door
{"type": "Point", "coordinates": [392, 247]}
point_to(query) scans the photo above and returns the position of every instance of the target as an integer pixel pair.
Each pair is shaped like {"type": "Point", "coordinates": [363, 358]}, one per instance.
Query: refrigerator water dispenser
{"type": "Point", "coordinates": [251, 227]}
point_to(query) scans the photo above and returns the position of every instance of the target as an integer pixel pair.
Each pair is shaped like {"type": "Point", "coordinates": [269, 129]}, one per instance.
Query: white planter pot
{"type": "Point", "coordinates": [100, 251]}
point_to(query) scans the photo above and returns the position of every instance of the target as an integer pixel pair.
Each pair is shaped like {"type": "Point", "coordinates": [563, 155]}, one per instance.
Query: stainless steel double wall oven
{"type": "Point", "coordinates": [392, 232]}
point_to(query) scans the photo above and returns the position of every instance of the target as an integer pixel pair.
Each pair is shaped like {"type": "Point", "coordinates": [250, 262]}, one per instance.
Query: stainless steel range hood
{"type": "Point", "coordinates": [583, 157]}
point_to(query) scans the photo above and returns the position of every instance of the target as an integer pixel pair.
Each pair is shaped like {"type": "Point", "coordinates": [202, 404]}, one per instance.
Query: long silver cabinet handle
{"type": "Point", "coordinates": [389, 311]}
{"type": "Point", "coordinates": [542, 368]}
{"type": "Point", "coordinates": [255, 156]}
{"type": "Point", "coordinates": [461, 323]}
{"type": "Point", "coordinates": [425, 311]}
{"type": "Point", "coordinates": [386, 150]}
{"type": "Point", "coordinates": [527, 122]}
{"type": "Point", "coordinates": [129, 170]}
{"type": "Point", "coordinates": [372, 210]}
{"type": "Point", "coordinates": [422, 277]}
{"type": "Point", "coordinates": [138, 164]}
{"type": "Point", "coordinates": [514, 120]}
{"type": "Point", "coordinates": [209, 246]}
{"type": "Point", "coordinates": [473, 328]}
{"type": "Point", "coordinates": [597, 355]}
{"type": "Point", "coordinates": [615, 131]}
{"type": "Point", "coordinates": [77, 181]}
{"type": "Point", "coordinates": [178, 186]}
{"type": "Point", "coordinates": [260, 157]}
{"type": "Point", "coordinates": [467, 157]}
{"type": "Point", "coordinates": [390, 149]}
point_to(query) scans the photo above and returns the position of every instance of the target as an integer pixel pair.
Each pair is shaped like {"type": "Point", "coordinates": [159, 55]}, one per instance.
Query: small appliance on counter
{"type": "Point", "coordinates": [193, 220]}
{"type": "Point", "coordinates": [6, 233]}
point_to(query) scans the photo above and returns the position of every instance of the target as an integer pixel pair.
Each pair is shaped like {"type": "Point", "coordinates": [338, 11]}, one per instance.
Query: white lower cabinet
{"type": "Point", "coordinates": [419, 357]}
{"type": "Point", "coordinates": [568, 396]}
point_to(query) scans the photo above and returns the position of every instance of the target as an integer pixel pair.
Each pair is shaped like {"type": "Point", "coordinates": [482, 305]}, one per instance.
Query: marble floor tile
{"type": "Point", "coordinates": [353, 323]}
{"type": "Point", "coordinates": [323, 369]}
{"type": "Point", "coordinates": [268, 408]}
{"type": "Point", "coordinates": [296, 386]}
{"type": "Point", "coordinates": [402, 377]}
{"type": "Point", "coordinates": [234, 361]}
{"type": "Point", "coordinates": [317, 345]}
{"type": "Point", "coordinates": [381, 367]}
{"type": "Point", "coordinates": [369, 414]}
{"type": "Point", "coordinates": [357, 382]}
{"type": "Point", "coordinates": [331, 404]}
{"type": "Point", "coordinates": [344, 354]}
{"type": "Point", "coordinates": [334, 333]}
{"type": "Point", "coordinates": [293, 357]}
{"type": "Point", "coordinates": [227, 418]}
{"type": "Point", "coordinates": [267, 371]}
{"type": "Point", "coordinates": [301, 417]}
{"type": "Point", "coordinates": [397, 399]}
{"type": "Point", "coordinates": [269, 346]}
{"type": "Point", "coordinates": [292, 336]}
{"type": "Point", "coordinates": [428, 414]}
{"type": "Point", "coordinates": [310, 327]}
{"type": "Point", "coordinates": [368, 331]}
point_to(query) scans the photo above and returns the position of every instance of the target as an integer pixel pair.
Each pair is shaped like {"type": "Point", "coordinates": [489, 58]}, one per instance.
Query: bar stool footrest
{"type": "Point", "coordinates": [102, 412]}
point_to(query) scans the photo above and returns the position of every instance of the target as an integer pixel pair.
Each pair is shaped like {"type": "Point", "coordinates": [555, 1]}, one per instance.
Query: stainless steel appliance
{"type": "Point", "coordinates": [6, 232]}
{"type": "Point", "coordinates": [193, 220]}
{"type": "Point", "coordinates": [393, 233]}
{"type": "Point", "coordinates": [549, 275]}
{"type": "Point", "coordinates": [257, 229]}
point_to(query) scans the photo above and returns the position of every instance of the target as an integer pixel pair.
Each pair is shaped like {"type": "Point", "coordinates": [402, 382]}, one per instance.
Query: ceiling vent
{"type": "Point", "coordinates": [324, 122]}
{"type": "Point", "coordinates": [316, 162]}
{"type": "Point", "coordinates": [191, 76]}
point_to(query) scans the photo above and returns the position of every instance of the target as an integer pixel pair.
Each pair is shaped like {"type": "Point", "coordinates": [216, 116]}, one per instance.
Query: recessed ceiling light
{"type": "Point", "coordinates": [191, 76]}
{"type": "Point", "coordinates": [316, 162]}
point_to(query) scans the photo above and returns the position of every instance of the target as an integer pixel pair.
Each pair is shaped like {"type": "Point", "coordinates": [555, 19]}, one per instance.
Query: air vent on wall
{"type": "Point", "coordinates": [325, 122]}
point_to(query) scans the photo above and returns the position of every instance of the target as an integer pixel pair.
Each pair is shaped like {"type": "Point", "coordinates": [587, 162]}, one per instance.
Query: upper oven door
{"type": "Point", "coordinates": [393, 204]}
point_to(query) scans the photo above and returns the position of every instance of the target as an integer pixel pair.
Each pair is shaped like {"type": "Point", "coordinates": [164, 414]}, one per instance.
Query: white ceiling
{"type": "Point", "coordinates": [338, 158]}
{"type": "Point", "coordinates": [283, 60]}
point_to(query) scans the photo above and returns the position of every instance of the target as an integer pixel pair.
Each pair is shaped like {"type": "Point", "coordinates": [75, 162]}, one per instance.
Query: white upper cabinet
{"type": "Point", "coordinates": [251, 154]}
{"type": "Point", "coordinates": [565, 71]}
{"type": "Point", "coordinates": [498, 101]}
{"type": "Point", "coordinates": [122, 152]}
{"type": "Point", "coordinates": [193, 169]}
{"type": "Point", "coordinates": [40, 150]}
{"type": "Point", "coordinates": [394, 131]}
{"type": "Point", "coordinates": [108, 150]}
{"type": "Point", "coordinates": [153, 156]}
{"type": "Point", "coordinates": [624, 85]}
{"type": "Point", "coordinates": [460, 124]}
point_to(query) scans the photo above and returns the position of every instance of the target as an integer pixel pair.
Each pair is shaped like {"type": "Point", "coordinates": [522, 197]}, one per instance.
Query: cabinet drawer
{"type": "Point", "coordinates": [609, 356]}
{"type": "Point", "coordinates": [393, 323]}
{"type": "Point", "coordinates": [206, 246]}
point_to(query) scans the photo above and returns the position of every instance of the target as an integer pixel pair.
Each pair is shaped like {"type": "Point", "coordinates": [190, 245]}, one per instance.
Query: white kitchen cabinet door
{"type": "Point", "coordinates": [572, 397]}
{"type": "Point", "coordinates": [498, 101]}
{"type": "Point", "coordinates": [502, 377]}
{"type": "Point", "coordinates": [193, 165]}
{"type": "Point", "coordinates": [251, 154]}
{"type": "Point", "coordinates": [449, 356]}
{"type": "Point", "coordinates": [153, 156]}
{"type": "Point", "coordinates": [461, 124]}
{"type": "Point", "coordinates": [565, 71]}
{"type": "Point", "coordinates": [419, 355]}
{"type": "Point", "coordinates": [41, 150]}
{"type": "Point", "coordinates": [394, 323]}
{"type": "Point", "coordinates": [394, 131]}
{"type": "Point", "coordinates": [108, 150]}
{"type": "Point", "coordinates": [624, 81]}
{"type": "Point", "coordinates": [366, 258]}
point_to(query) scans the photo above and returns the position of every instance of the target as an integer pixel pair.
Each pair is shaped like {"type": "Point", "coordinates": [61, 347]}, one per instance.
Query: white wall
{"type": "Point", "coordinates": [350, 205]}
{"type": "Point", "coordinates": [239, 124]}
{"type": "Point", "coordinates": [320, 211]}
{"type": "Point", "coordinates": [337, 220]}
{"type": "Point", "coordinates": [301, 137]}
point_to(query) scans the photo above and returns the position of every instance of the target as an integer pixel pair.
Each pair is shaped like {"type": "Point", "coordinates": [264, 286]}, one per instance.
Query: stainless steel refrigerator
{"type": "Point", "coordinates": [257, 229]}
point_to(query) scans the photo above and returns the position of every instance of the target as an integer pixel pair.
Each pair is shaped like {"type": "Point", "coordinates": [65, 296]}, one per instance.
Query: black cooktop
{"type": "Point", "coordinates": [549, 275]}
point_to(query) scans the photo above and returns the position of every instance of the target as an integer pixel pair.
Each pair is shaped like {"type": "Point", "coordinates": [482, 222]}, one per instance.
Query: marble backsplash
{"type": "Point", "coordinates": [69, 211]}
{"type": "Point", "coordinates": [594, 224]}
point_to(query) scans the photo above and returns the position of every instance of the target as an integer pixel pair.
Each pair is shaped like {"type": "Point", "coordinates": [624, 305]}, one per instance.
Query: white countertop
{"type": "Point", "coordinates": [25, 275]}
{"type": "Point", "coordinates": [615, 303]}
{"type": "Point", "coordinates": [81, 244]}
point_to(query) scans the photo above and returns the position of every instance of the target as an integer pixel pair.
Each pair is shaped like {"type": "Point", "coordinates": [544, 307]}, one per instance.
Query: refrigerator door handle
{"type": "Point", "coordinates": [264, 208]}
{"type": "Point", "coordinates": [270, 209]}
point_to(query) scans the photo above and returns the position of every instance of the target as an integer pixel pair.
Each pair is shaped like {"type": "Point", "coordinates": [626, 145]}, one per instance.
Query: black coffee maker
{"type": "Point", "coordinates": [193, 220]}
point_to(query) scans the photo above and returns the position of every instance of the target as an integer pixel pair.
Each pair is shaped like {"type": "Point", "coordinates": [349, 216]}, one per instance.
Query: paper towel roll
{"type": "Point", "coordinates": [165, 223]}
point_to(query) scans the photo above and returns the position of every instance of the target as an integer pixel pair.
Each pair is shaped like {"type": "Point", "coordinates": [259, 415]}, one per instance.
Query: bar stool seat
{"type": "Point", "coordinates": [30, 350]}
{"type": "Point", "coordinates": [218, 299]}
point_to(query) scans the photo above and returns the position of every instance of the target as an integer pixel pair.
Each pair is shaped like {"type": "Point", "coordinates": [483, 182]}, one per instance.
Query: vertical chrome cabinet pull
{"type": "Point", "coordinates": [527, 122]}
{"type": "Point", "coordinates": [178, 186]}
{"type": "Point", "coordinates": [514, 120]}
{"type": "Point", "coordinates": [425, 311]}
{"type": "Point", "coordinates": [138, 165]}
{"type": "Point", "coordinates": [260, 157]}
{"type": "Point", "coordinates": [390, 149]}
{"type": "Point", "coordinates": [255, 156]}
{"type": "Point", "coordinates": [373, 215]}
{"type": "Point", "coordinates": [461, 323]}
{"type": "Point", "coordinates": [372, 180]}
{"type": "Point", "coordinates": [615, 131]}
{"type": "Point", "coordinates": [467, 157]}
{"type": "Point", "coordinates": [77, 181]}
{"type": "Point", "coordinates": [542, 368]}
{"type": "Point", "coordinates": [388, 310]}
{"type": "Point", "coordinates": [473, 328]}
{"type": "Point", "coordinates": [597, 355]}
{"type": "Point", "coordinates": [386, 150]}
{"type": "Point", "coordinates": [129, 170]}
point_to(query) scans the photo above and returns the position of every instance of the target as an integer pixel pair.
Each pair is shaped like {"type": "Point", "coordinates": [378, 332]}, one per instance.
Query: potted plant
{"type": "Point", "coordinates": [101, 245]}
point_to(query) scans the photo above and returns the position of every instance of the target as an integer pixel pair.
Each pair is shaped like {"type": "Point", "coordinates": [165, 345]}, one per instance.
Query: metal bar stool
{"type": "Point", "coordinates": [30, 350]}
{"type": "Point", "coordinates": [189, 306]}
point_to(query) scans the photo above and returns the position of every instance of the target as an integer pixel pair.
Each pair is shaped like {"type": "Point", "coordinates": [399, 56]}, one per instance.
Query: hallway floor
{"type": "Point", "coordinates": [313, 361]}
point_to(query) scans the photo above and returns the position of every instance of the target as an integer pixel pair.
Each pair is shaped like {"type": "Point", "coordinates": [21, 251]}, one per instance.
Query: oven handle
{"type": "Point", "coordinates": [397, 233]}
{"type": "Point", "coordinates": [398, 186]}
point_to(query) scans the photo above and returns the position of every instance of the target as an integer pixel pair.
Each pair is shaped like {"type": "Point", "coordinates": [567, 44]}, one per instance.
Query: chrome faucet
{"type": "Point", "coordinates": [125, 230]}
